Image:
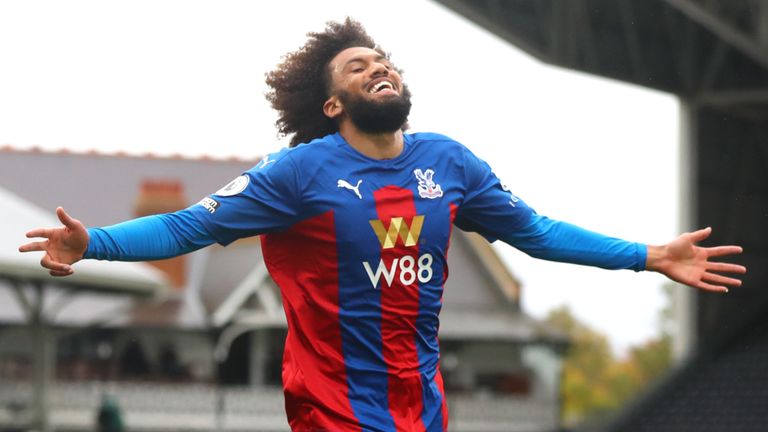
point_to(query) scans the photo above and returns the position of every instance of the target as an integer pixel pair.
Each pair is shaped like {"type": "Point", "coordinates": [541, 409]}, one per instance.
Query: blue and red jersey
{"type": "Point", "coordinates": [358, 247]}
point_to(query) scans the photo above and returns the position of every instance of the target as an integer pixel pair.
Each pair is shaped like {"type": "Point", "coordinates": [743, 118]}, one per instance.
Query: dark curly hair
{"type": "Point", "coordinates": [301, 83]}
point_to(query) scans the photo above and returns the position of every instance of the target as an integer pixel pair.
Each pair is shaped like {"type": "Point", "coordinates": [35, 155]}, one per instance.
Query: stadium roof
{"type": "Point", "coordinates": [714, 52]}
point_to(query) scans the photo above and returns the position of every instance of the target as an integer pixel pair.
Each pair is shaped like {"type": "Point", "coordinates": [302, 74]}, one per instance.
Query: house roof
{"type": "Point", "coordinates": [81, 182]}
{"type": "Point", "coordinates": [8, 148]}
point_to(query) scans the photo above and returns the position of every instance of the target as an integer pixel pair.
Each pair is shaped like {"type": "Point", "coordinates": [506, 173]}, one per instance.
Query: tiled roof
{"type": "Point", "coordinates": [8, 148]}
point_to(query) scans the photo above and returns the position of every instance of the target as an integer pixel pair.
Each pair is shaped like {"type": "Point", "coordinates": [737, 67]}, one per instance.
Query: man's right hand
{"type": "Point", "coordinates": [63, 246]}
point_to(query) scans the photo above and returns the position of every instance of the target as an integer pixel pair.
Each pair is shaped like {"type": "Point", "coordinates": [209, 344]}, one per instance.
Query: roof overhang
{"type": "Point", "coordinates": [693, 48]}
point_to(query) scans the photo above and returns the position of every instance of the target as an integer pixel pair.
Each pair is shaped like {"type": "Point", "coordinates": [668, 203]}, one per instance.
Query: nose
{"type": "Point", "coordinates": [379, 70]}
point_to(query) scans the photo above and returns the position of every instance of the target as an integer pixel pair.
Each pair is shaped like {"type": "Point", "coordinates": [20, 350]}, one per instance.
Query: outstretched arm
{"type": "Point", "coordinates": [492, 210]}
{"type": "Point", "coordinates": [683, 261]}
{"type": "Point", "coordinates": [680, 260]}
{"type": "Point", "coordinates": [144, 239]}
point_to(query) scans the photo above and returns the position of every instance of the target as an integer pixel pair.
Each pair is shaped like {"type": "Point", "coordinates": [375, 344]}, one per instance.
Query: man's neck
{"type": "Point", "coordinates": [387, 145]}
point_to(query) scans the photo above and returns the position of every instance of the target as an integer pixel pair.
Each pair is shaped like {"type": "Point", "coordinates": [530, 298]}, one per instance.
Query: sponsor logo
{"type": "Point", "coordinates": [406, 269]}
{"type": "Point", "coordinates": [347, 185]}
{"type": "Point", "coordinates": [427, 187]}
{"type": "Point", "coordinates": [409, 268]}
{"type": "Point", "coordinates": [209, 204]}
{"type": "Point", "coordinates": [398, 228]}
{"type": "Point", "coordinates": [234, 187]}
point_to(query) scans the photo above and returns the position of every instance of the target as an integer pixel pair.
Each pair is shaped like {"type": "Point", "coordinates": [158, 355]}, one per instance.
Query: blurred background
{"type": "Point", "coordinates": [638, 119]}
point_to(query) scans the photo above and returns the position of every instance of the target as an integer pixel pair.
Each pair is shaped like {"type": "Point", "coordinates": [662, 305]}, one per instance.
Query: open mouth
{"type": "Point", "coordinates": [382, 86]}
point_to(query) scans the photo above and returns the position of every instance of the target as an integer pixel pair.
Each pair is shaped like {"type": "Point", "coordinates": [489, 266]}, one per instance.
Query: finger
{"type": "Point", "coordinates": [726, 267]}
{"type": "Point", "coordinates": [720, 279]}
{"type": "Point", "coordinates": [34, 246]}
{"type": "Point", "coordinates": [723, 250]}
{"type": "Point", "coordinates": [701, 234]}
{"type": "Point", "coordinates": [40, 232]}
{"type": "Point", "coordinates": [709, 287]}
{"type": "Point", "coordinates": [66, 219]}
{"type": "Point", "coordinates": [50, 264]}
{"type": "Point", "coordinates": [56, 273]}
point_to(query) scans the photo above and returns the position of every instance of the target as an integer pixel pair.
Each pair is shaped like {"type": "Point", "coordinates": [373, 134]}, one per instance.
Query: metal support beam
{"type": "Point", "coordinates": [723, 30]}
{"type": "Point", "coordinates": [734, 97]}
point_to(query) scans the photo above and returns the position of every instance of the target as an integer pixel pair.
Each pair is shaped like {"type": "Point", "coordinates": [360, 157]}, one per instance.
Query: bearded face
{"type": "Point", "coordinates": [377, 114]}
{"type": "Point", "coordinates": [367, 91]}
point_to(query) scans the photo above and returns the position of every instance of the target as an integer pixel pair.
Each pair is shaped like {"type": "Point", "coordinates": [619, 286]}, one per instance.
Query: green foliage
{"type": "Point", "coordinates": [595, 382]}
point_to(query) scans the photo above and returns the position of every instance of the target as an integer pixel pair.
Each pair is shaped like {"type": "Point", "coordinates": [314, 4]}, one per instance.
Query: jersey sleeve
{"type": "Point", "coordinates": [489, 207]}
{"type": "Point", "coordinates": [492, 210]}
{"type": "Point", "coordinates": [148, 238]}
{"type": "Point", "coordinates": [266, 198]}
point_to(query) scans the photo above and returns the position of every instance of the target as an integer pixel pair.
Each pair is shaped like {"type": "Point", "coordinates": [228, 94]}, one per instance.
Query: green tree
{"type": "Point", "coordinates": [595, 382]}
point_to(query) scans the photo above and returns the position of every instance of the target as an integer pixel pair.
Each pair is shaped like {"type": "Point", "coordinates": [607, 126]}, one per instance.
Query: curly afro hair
{"type": "Point", "coordinates": [301, 83]}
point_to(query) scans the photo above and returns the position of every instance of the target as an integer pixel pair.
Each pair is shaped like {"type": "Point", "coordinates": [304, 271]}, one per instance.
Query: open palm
{"type": "Point", "coordinates": [63, 246]}
{"type": "Point", "coordinates": [685, 262]}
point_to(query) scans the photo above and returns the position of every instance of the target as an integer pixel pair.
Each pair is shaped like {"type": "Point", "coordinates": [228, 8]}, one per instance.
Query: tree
{"type": "Point", "coordinates": [595, 382]}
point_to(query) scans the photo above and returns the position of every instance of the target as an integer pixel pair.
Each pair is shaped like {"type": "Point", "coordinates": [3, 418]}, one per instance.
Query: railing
{"type": "Point", "coordinates": [188, 407]}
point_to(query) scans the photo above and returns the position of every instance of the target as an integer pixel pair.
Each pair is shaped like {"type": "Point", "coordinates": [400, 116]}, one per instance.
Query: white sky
{"type": "Point", "coordinates": [188, 77]}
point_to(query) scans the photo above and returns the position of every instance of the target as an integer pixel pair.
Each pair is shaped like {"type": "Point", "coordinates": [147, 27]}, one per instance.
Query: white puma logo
{"type": "Point", "coordinates": [346, 185]}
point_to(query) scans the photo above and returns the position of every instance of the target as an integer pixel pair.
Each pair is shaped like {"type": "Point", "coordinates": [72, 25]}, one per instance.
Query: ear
{"type": "Point", "coordinates": [333, 108]}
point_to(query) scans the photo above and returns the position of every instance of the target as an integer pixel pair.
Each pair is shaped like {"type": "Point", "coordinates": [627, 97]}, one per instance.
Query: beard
{"type": "Point", "coordinates": [377, 116]}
